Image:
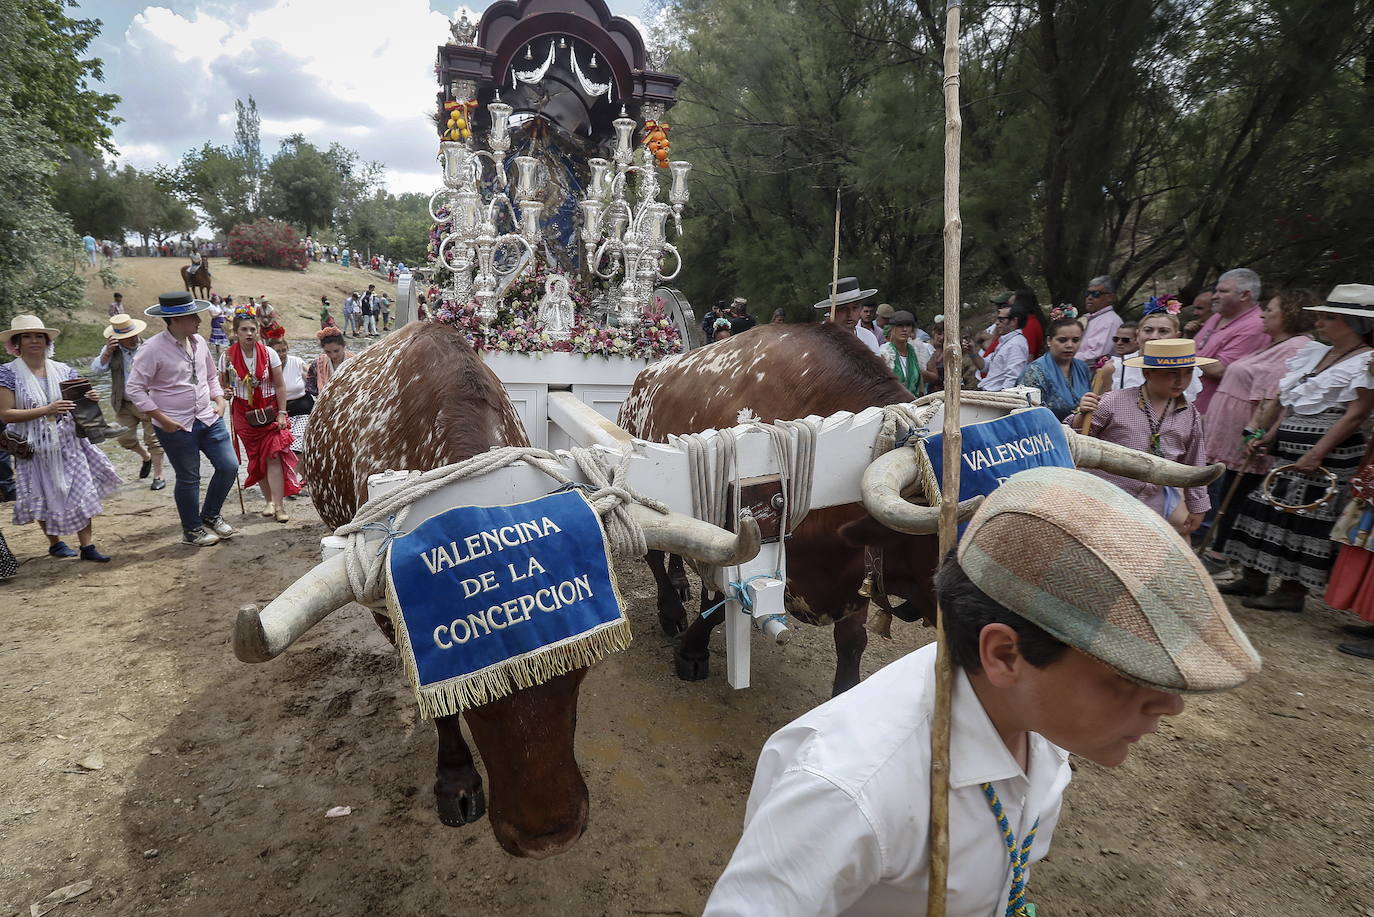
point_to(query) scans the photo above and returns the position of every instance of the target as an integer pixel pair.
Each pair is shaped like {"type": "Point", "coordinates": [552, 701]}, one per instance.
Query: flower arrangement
{"type": "Point", "coordinates": [517, 328]}
{"type": "Point", "coordinates": [1169, 304]}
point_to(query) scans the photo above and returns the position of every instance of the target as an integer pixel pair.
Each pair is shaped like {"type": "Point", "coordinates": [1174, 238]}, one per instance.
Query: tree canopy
{"type": "Point", "coordinates": [1160, 141]}
{"type": "Point", "coordinates": [45, 106]}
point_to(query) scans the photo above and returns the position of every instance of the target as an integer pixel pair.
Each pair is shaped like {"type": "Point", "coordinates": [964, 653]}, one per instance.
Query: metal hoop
{"type": "Point", "coordinates": [1267, 495]}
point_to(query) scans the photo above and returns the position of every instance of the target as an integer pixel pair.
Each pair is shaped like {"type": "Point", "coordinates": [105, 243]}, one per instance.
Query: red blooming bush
{"type": "Point", "coordinates": [266, 243]}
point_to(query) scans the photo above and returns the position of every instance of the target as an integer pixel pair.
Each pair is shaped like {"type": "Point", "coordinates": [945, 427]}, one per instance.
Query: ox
{"type": "Point", "coordinates": [791, 371]}
{"type": "Point", "coordinates": [423, 399]}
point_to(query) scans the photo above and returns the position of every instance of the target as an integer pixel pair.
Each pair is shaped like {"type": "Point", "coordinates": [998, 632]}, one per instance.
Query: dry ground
{"type": "Point", "coordinates": [216, 775]}
{"type": "Point", "coordinates": [296, 294]}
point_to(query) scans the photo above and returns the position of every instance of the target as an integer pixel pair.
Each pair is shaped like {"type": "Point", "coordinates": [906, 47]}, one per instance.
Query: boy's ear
{"type": "Point", "coordinates": [999, 652]}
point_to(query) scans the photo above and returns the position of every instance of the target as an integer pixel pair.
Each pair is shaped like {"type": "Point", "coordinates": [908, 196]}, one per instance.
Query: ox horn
{"type": "Point", "coordinates": [263, 635]}
{"type": "Point", "coordinates": [701, 541]}
{"type": "Point", "coordinates": [885, 480]}
{"type": "Point", "coordinates": [1090, 452]}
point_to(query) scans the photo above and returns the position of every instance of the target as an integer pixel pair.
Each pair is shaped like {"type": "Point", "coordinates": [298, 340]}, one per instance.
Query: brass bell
{"type": "Point", "coordinates": [866, 590]}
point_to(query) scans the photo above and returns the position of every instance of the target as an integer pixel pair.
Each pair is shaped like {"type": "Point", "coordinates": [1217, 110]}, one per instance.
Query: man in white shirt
{"type": "Point", "coordinates": [1100, 319]}
{"type": "Point", "coordinates": [1045, 665]}
{"type": "Point", "coordinates": [1007, 362]}
{"type": "Point", "coordinates": [848, 301]}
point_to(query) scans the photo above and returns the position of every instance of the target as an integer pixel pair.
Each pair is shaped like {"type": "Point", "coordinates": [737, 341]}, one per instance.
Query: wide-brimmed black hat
{"type": "Point", "coordinates": [170, 305]}
{"type": "Point", "coordinates": [846, 291]}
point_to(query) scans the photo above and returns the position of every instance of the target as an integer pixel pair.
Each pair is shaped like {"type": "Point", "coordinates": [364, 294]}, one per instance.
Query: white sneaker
{"type": "Point", "coordinates": [219, 527]}
{"type": "Point", "coordinates": [199, 537]}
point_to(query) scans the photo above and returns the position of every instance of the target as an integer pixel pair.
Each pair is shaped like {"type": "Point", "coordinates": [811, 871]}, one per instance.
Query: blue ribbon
{"type": "Point", "coordinates": [388, 530]}
{"type": "Point", "coordinates": [741, 593]}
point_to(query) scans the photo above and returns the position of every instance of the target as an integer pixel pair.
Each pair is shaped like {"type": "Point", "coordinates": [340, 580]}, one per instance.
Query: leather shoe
{"type": "Point", "coordinates": [157, 484]}
{"type": "Point", "coordinates": [1365, 649]}
{"type": "Point", "coordinates": [91, 552]}
{"type": "Point", "coordinates": [1242, 586]}
{"type": "Point", "coordinates": [1277, 601]}
{"type": "Point", "coordinates": [1359, 630]}
{"type": "Point", "coordinates": [145, 469]}
{"type": "Point", "coordinates": [61, 549]}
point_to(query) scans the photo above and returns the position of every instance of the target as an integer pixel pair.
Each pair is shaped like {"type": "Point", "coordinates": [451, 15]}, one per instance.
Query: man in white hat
{"type": "Point", "coordinates": [848, 303]}
{"type": "Point", "coordinates": [122, 343]}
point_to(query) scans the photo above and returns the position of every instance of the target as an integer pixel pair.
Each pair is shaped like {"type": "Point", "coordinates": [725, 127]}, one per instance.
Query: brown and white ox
{"type": "Point", "coordinates": [783, 372]}
{"type": "Point", "coordinates": [422, 399]}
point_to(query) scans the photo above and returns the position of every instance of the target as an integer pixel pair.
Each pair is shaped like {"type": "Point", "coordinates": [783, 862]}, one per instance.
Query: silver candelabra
{"type": "Point", "coordinates": [631, 237]}
{"type": "Point", "coordinates": [473, 248]}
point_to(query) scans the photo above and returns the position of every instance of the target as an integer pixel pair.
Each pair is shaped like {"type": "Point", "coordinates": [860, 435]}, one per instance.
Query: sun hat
{"type": "Point", "coordinates": [1108, 577]}
{"type": "Point", "coordinates": [846, 291]}
{"type": "Point", "coordinates": [1170, 353]}
{"type": "Point", "coordinates": [23, 324]}
{"type": "Point", "coordinates": [170, 305]}
{"type": "Point", "coordinates": [1002, 299]}
{"type": "Point", "coordinates": [902, 318]}
{"type": "Point", "coordinates": [122, 326]}
{"type": "Point", "coordinates": [1348, 299]}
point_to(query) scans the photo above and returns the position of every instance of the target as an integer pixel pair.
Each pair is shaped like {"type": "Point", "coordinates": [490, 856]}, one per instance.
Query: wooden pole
{"type": "Point", "coordinates": [1102, 381]}
{"type": "Point", "coordinates": [835, 260]}
{"type": "Point", "coordinates": [949, 487]}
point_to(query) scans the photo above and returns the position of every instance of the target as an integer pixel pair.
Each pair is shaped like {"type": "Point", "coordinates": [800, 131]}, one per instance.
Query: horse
{"type": "Point", "coordinates": [197, 279]}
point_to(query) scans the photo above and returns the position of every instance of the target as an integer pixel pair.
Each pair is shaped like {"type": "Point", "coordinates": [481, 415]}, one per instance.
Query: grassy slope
{"type": "Point", "coordinates": [296, 295]}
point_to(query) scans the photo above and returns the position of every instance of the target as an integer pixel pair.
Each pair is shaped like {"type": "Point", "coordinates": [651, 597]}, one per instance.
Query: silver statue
{"type": "Point", "coordinates": [556, 308]}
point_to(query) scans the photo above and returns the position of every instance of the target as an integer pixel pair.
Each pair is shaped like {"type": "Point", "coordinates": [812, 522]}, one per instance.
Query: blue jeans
{"type": "Point", "coordinates": [183, 449]}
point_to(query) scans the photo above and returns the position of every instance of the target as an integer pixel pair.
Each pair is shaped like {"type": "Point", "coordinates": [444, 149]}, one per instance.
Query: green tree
{"type": "Point", "coordinates": [46, 74]}
{"type": "Point", "coordinates": [44, 103]}
{"type": "Point", "coordinates": [152, 209]}
{"type": "Point", "coordinates": [304, 186]}
{"type": "Point", "coordinates": [94, 198]}
{"type": "Point", "coordinates": [218, 183]}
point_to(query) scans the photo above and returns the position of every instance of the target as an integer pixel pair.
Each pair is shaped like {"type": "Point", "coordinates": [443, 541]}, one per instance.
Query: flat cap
{"type": "Point", "coordinates": [1097, 569]}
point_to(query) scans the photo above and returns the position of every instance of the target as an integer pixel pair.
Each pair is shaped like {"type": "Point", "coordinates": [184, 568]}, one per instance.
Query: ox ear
{"type": "Point", "coordinates": [867, 532]}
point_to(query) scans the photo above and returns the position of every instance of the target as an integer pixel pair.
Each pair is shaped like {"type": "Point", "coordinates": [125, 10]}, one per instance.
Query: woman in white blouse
{"type": "Point", "coordinates": [299, 401]}
{"type": "Point", "coordinates": [1323, 400]}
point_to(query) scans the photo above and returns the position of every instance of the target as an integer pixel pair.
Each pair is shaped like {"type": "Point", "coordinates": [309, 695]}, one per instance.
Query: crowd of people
{"type": "Point", "coordinates": [177, 387]}
{"type": "Point", "coordinates": [1277, 387]}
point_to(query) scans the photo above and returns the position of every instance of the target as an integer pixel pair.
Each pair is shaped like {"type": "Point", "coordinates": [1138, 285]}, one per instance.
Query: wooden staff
{"type": "Point", "coordinates": [1101, 382]}
{"type": "Point", "coordinates": [835, 260]}
{"type": "Point", "coordinates": [949, 487]}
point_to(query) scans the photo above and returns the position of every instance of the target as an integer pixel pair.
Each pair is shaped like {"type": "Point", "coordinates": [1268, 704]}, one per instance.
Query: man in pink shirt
{"type": "Point", "coordinates": [173, 381]}
{"type": "Point", "coordinates": [1100, 319]}
{"type": "Point", "coordinates": [1235, 329]}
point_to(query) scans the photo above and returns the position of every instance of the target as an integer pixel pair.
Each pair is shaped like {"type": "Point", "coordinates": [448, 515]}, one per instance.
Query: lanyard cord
{"type": "Point", "coordinates": [1016, 898]}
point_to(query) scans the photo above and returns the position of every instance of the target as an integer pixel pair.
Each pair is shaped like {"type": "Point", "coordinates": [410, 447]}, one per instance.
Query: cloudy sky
{"type": "Point", "coordinates": [360, 72]}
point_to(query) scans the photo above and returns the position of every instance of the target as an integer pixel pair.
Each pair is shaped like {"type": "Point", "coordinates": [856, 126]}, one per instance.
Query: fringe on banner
{"type": "Point", "coordinates": [497, 681]}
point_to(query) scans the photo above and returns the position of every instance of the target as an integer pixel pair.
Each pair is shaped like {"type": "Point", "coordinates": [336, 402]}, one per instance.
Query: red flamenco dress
{"type": "Point", "coordinates": [260, 444]}
{"type": "Point", "coordinates": [1351, 586]}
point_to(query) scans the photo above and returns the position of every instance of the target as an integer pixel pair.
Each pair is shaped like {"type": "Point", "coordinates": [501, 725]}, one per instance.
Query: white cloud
{"type": "Point", "coordinates": [353, 71]}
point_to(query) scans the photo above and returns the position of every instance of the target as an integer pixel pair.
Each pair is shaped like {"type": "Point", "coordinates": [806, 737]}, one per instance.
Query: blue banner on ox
{"type": "Point", "coordinates": [996, 449]}
{"type": "Point", "coordinates": [492, 599]}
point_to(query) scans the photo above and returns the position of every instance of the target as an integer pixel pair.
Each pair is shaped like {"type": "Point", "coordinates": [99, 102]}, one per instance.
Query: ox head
{"type": "Point", "coordinates": [890, 476]}
{"type": "Point", "coordinates": [539, 802]}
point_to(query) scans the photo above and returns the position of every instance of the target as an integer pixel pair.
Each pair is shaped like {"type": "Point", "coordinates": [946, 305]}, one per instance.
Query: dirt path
{"type": "Point", "coordinates": [216, 775]}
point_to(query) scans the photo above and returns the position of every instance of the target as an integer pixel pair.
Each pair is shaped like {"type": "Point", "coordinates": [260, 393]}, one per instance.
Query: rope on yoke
{"type": "Point", "coordinates": [607, 492]}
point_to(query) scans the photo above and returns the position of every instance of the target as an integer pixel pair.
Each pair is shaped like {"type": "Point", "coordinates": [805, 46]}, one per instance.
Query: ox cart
{"type": "Point", "coordinates": [539, 374]}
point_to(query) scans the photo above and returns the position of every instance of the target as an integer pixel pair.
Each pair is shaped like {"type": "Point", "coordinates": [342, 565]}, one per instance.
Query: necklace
{"type": "Point", "coordinates": [1319, 368]}
{"type": "Point", "coordinates": [188, 351]}
{"type": "Point", "coordinates": [1155, 425]}
{"type": "Point", "coordinates": [1019, 855]}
